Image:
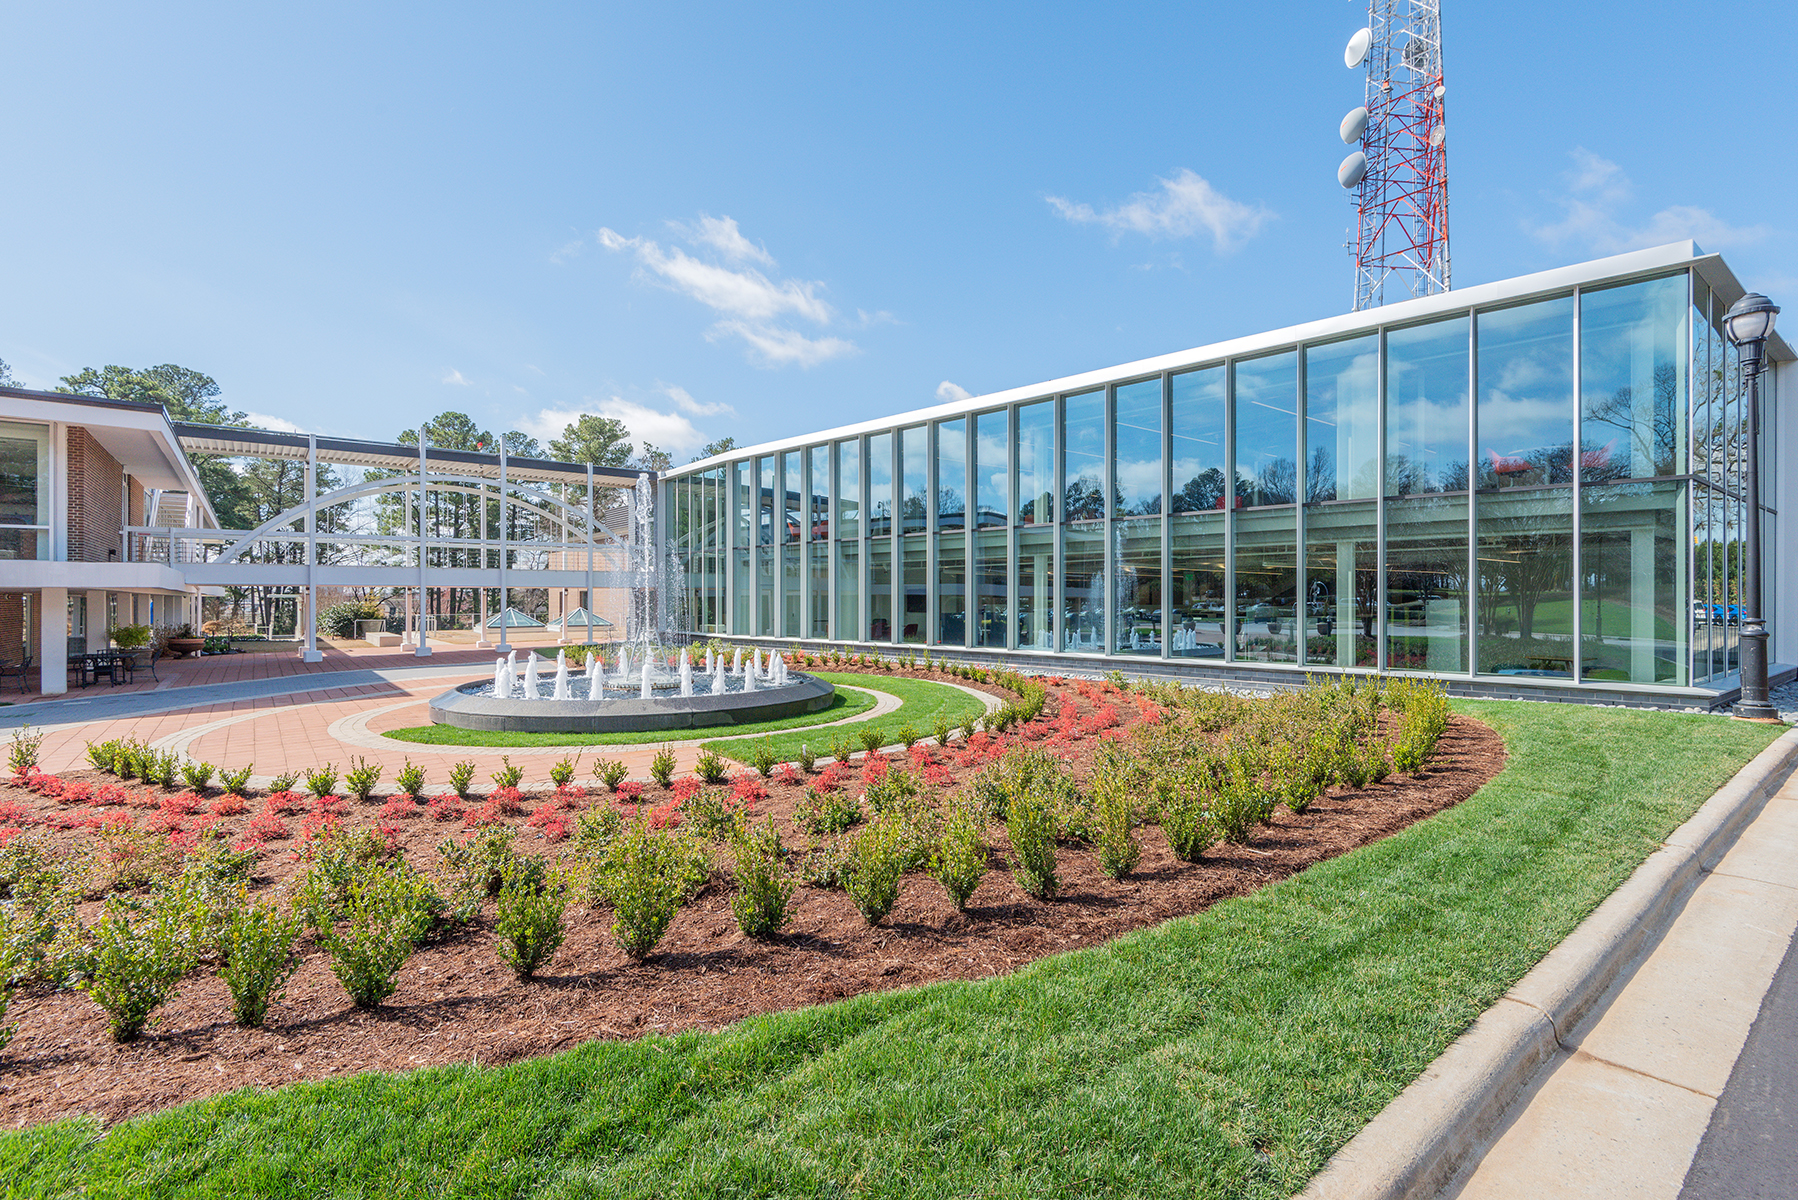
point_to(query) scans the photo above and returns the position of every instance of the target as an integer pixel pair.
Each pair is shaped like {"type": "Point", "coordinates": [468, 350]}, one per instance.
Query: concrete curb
{"type": "Point", "coordinates": [1420, 1142]}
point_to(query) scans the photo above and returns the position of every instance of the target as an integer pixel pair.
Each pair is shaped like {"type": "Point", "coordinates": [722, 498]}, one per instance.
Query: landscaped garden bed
{"type": "Point", "coordinates": [1114, 780]}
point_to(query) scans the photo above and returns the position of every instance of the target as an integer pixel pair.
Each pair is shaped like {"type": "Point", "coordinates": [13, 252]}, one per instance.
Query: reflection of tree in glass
{"type": "Point", "coordinates": [1084, 501]}
{"type": "Point", "coordinates": [1202, 493]}
{"type": "Point", "coordinates": [1615, 417]}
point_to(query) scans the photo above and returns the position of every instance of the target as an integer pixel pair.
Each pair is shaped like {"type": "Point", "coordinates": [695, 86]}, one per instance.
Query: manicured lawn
{"type": "Point", "coordinates": [846, 704]}
{"type": "Point", "coordinates": [920, 704]}
{"type": "Point", "coordinates": [1227, 1054]}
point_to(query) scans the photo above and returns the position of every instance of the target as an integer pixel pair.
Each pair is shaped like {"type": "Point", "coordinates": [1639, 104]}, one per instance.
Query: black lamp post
{"type": "Point", "coordinates": [1749, 322]}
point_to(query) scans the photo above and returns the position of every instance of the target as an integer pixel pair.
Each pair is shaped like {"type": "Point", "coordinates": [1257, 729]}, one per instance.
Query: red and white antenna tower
{"type": "Point", "coordinates": [1400, 173]}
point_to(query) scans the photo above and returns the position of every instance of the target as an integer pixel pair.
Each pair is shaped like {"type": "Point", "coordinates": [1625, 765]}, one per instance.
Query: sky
{"type": "Point", "coordinates": [758, 221]}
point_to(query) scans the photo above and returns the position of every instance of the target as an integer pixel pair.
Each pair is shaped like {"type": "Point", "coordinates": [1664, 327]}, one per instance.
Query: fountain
{"type": "Point", "coordinates": [669, 693]}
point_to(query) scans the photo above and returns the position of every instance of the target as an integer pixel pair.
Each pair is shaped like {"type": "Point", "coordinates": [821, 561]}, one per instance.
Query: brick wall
{"type": "Point", "coordinates": [12, 626]}
{"type": "Point", "coordinates": [94, 482]}
{"type": "Point", "coordinates": [136, 492]}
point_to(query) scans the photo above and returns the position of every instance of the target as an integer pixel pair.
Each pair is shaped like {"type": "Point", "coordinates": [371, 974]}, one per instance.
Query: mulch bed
{"type": "Point", "coordinates": [457, 1003]}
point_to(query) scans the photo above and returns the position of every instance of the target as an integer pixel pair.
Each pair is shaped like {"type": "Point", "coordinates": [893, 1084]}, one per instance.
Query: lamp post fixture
{"type": "Point", "coordinates": [1749, 322]}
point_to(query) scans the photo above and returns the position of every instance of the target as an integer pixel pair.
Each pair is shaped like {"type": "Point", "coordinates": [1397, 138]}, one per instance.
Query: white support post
{"type": "Point", "coordinates": [505, 633]}
{"type": "Point", "coordinates": [592, 506]}
{"type": "Point", "coordinates": [424, 644]}
{"type": "Point", "coordinates": [482, 641]}
{"type": "Point", "coordinates": [311, 653]}
{"type": "Point", "coordinates": [53, 641]}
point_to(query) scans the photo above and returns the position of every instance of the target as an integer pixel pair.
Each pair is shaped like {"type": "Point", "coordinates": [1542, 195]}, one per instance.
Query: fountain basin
{"type": "Point", "coordinates": [464, 709]}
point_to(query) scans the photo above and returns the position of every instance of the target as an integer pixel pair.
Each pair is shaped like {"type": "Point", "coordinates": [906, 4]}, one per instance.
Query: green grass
{"type": "Point", "coordinates": [1227, 1054]}
{"type": "Point", "coordinates": [920, 703]}
{"type": "Point", "coordinates": [844, 705]}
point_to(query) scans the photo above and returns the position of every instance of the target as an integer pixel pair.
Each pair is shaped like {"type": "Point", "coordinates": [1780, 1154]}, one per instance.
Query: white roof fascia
{"type": "Point", "coordinates": [1523, 287]}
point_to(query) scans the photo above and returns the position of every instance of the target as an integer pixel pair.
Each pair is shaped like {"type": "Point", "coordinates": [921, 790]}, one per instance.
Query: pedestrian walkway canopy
{"type": "Point", "coordinates": [511, 618]}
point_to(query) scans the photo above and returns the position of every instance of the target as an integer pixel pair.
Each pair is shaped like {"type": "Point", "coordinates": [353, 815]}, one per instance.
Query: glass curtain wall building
{"type": "Point", "coordinates": [1534, 480]}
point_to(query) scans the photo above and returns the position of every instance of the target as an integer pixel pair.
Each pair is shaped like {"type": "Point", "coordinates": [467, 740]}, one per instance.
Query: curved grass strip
{"type": "Point", "coordinates": [1225, 1054]}
{"type": "Point", "coordinates": [846, 704]}
{"type": "Point", "coordinates": [921, 702]}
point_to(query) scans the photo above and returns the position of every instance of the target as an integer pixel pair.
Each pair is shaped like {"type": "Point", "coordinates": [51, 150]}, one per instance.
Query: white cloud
{"type": "Point", "coordinates": [264, 421]}
{"type": "Point", "coordinates": [1186, 205]}
{"type": "Point", "coordinates": [751, 305]}
{"type": "Point", "coordinates": [684, 401]}
{"type": "Point", "coordinates": [647, 422]}
{"type": "Point", "coordinates": [949, 392]}
{"type": "Point", "coordinates": [722, 235]}
{"type": "Point", "coordinates": [568, 250]}
{"type": "Point", "coordinates": [1594, 207]}
{"type": "Point", "coordinates": [457, 378]}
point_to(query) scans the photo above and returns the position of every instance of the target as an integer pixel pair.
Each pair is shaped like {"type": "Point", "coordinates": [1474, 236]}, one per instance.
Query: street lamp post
{"type": "Point", "coordinates": [1749, 322]}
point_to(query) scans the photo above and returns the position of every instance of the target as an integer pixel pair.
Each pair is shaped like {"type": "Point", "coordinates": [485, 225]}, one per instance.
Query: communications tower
{"type": "Point", "coordinates": [1399, 175]}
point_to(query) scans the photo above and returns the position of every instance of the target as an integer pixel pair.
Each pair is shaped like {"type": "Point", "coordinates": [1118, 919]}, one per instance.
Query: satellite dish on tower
{"type": "Point", "coordinates": [1437, 134]}
{"type": "Point", "coordinates": [1356, 53]}
{"type": "Point", "coordinates": [1354, 125]}
{"type": "Point", "coordinates": [1352, 169]}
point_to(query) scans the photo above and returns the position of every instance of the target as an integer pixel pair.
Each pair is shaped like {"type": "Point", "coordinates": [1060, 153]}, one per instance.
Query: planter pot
{"type": "Point", "coordinates": [182, 647]}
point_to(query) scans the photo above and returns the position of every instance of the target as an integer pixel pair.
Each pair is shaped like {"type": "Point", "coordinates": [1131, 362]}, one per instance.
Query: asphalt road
{"type": "Point", "coordinates": [1750, 1151]}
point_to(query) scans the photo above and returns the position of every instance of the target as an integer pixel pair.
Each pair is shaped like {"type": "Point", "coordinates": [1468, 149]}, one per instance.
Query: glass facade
{"type": "Point", "coordinates": [1544, 489]}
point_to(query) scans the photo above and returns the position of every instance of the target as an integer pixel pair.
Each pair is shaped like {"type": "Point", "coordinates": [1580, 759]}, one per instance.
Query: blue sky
{"type": "Point", "coordinates": [761, 220]}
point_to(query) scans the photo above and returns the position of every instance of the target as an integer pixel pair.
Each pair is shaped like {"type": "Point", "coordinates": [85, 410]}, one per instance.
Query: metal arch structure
{"type": "Point", "coordinates": [1401, 203]}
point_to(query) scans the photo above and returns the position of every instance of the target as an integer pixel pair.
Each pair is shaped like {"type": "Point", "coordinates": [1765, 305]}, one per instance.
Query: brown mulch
{"type": "Point", "coordinates": [457, 1003]}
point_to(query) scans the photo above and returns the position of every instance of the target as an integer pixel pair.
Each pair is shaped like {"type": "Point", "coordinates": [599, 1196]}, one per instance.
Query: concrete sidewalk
{"type": "Point", "coordinates": [1621, 1108]}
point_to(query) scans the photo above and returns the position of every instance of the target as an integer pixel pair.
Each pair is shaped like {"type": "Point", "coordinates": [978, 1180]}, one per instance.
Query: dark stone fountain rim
{"type": "Point", "coordinates": [802, 694]}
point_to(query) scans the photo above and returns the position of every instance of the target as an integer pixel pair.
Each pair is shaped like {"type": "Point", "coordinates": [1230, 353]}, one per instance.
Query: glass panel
{"type": "Point", "coordinates": [880, 589]}
{"type": "Point", "coordinates": [743, 501]}
{"type": "Point", "coordinates": [1266, 582]}
{"type": "Point", "coordinates": [1426, 408]}
{"type": "Point", "coordinates": [1426, 581]}
{"type": "Point", "coordinates": [1083, 588]}
{"type": "Point", "coordinates": [740, 601]}
{"type": "Point", "coordinates": [1036, 462]}
{"type": "Point", "coordinates": [849, 613]}
{"type": "Point", "coordinates": [1196, 588]}
{"type": "Point", "coordinates": [992, 478]}
{"type": "Point", "coordinates": [1526, 395]}
{"type": "Point", "coordinates": [766, 521]}
{"type": "Point", "coordinates": [951, 590]}
{"type": "Point", "coordinates": [792, 495]}
{"type": "Point", "coordinates": [880, 484]}
{"type": "Point", "coordinates": [818, 505]}
{"type": "Point", "coordinates": [1706, 385]}
{"type": "Point", "coordinates": [1634, 613]}
{"type": "Point", "coordinates": [951, 473]}
{"type": "Point", "coordinates": [1137, 554]}
{"type": "Point", "coordinates": [1342, 383]}
{"type": "Point", "coordinates": [849, 493]}
{"type": "Point", "coordinates": [24, 484]}
{"type": "Point", "coordinates": [1267, 430]}
{"type": "Point", "coordinates": [1633, 380]}
{"type": "Point", "coordinates": [765, 625]}
{"type": "Point", "coordinates": [818, 562]}
{"type": "Point", "coordinates": [1136, 436]}
{"type": "Point", "coordinates": [1083, 457]}
{"type": "Point", "coordinates": [791, 597]}
{"type": "Point", "coordinates": [1198, 428]}
{"type": "Point", "coordinates": [1036, 589]}
{"type": "Point", "coordinates": [1525, 559]}
{"type": "Point", "coordinates": [915, 461]}
{"type": "Point", "coordinates": [917, 589]}
{"type": "Point", "coordinates": [1341, 584]}
{"type": "Point", "coordinates": [992, 571]}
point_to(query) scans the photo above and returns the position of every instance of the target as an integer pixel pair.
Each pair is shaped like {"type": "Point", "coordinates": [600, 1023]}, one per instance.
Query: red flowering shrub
{"type": "Point", "coordinates": [875, 768]}
{"type": "Point", "coordinates": [508, 800]}
{"type": "Point", "coordinates": [329, 804]}
{"type": "Point", "coordinates": [316, 827]}
{"type": "Point", "coordinates": [686, 787]}
{"type": "Point", "coordinates": [829, 779]}
{"type": "Point", "coordinates": [43, 785]}
{"type": "Point", "coordinates": [267, 826]}
{"type": "Point", "coordinates": [787, 775]}
{"type": "Point", "coordinates": [937, 775]}
{"type": "Point", "coordinates": [398, 808]}
{"type": "Point", "coordinates": [391, 836]}
{"type": "Point", "coordinates": [666, 816]}
{"type": "Point", "coordinates": [182, 804]}
{"type": "Point", "coordinates": [229, 806]}
{"type": "Point", "coordinates": [490, 813]}
{"type": "Point", "coordinates": [447, 807]}
{"type": "Point", "coordinates": [64, 818]}
{"type": "Point", "coordinates": [628, 791]}
{"type": "Point", "coordinates": [248, 844]}
{"type": "Point", "coordinates": [285, 803]}
{"type": "Point", "coordinates": [7, 835]}
{"type": "Point", "coordinates": [163, 821]}
{"type": "Point", "coordinates": [110, 793]}
{"type": "Point", "coordinates": [571, 795]}
{"type": "Point", "coordinates": [746, 788]}
{"type": "Point", "coordinates": [114, 820]}
{"type": "Point", "coordinates": [143, 799]}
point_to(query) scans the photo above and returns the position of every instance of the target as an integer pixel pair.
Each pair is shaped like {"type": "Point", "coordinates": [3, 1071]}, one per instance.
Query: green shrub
{"type": "Point", "coordinates": [908, 735]}
{"type": "Point", "coordinates": [827, 812]}
{"type": "Point", "coordinates": [132, 967]}
{"type": "Point", "coordinates": [260, 958]}
{"type": "Point", "coordinates": [159, 767]}
{"type": "Point", "coordinates": [461, 779]}
{"type": "Point", "coordinates": [1114, 812]}
{"type": "Point", "coordinates": [284, 782]}
{"type": "Point", "coordinates": [339, 620]}
{"type": "Point", "coordinates": [1030, 824]}
{"type": "Point", "coordinates": [970, 724]}
{"type": "Point", "coordinates": [808, 761]}
{"type": "Point", "coordinates": [707, 814]}
{"type": "Point", "coordinates": [763, 758]}
{"type": "Point", "coordinates": [611, 772]}
{"type": "Point", "coordinates": [894, 789]}
{"type": "Point", "coordinates": [508, 776]}
{"type": "Point", "coordinates": [322, 781]}
{"type": "Point", "coordinates": [197, 775]}
{"type": "Point", "coordinates": [385, 912]}
{"type": "Point", "coordinates": [197, 904]}
{"type": "Point", "coordinates": [661, 767]}
{"type": "Point", "coordinates": [362, 779]}
{"type": "Point", "coordinates": [103, 756]}
{"type": "Point", "coordinates": [1423, 715]}
{"type": "Point", "coordinates": [237, 782]}
{"type": "Point", "coordinates": [529, 926]}
{"type": "Point", "coordinates": [871, 738]}
{"type": "Point", "coordinates": [959, 861]}
{"type": "Point", "coordinates": [473, 870]}
{"type": "Point", "coordinates": [942, 729]}
{"type": "Point", "coordinates": [644, 881]}
{"type": "Point", "coordinates": [1185, 800]}
{"type": "Point", "coordinates": [594, 830]}
{"type": "Point", "coordinates": [874, 867]}
{"type": "Point", "coordinates": [763, 889]}
{"type": "Point", "coordinates": [1241, 801]}
{"type": "Point", "coordinates": [562, 774]}
{"type": "Point", "coordinates": [1301, 769]}
{"type": "Point", "coordinates": [410, 779]}
{"type": "Point", "coordinates": [22, 754]}
{"type": "Point", "coordinates": [842, 749]}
